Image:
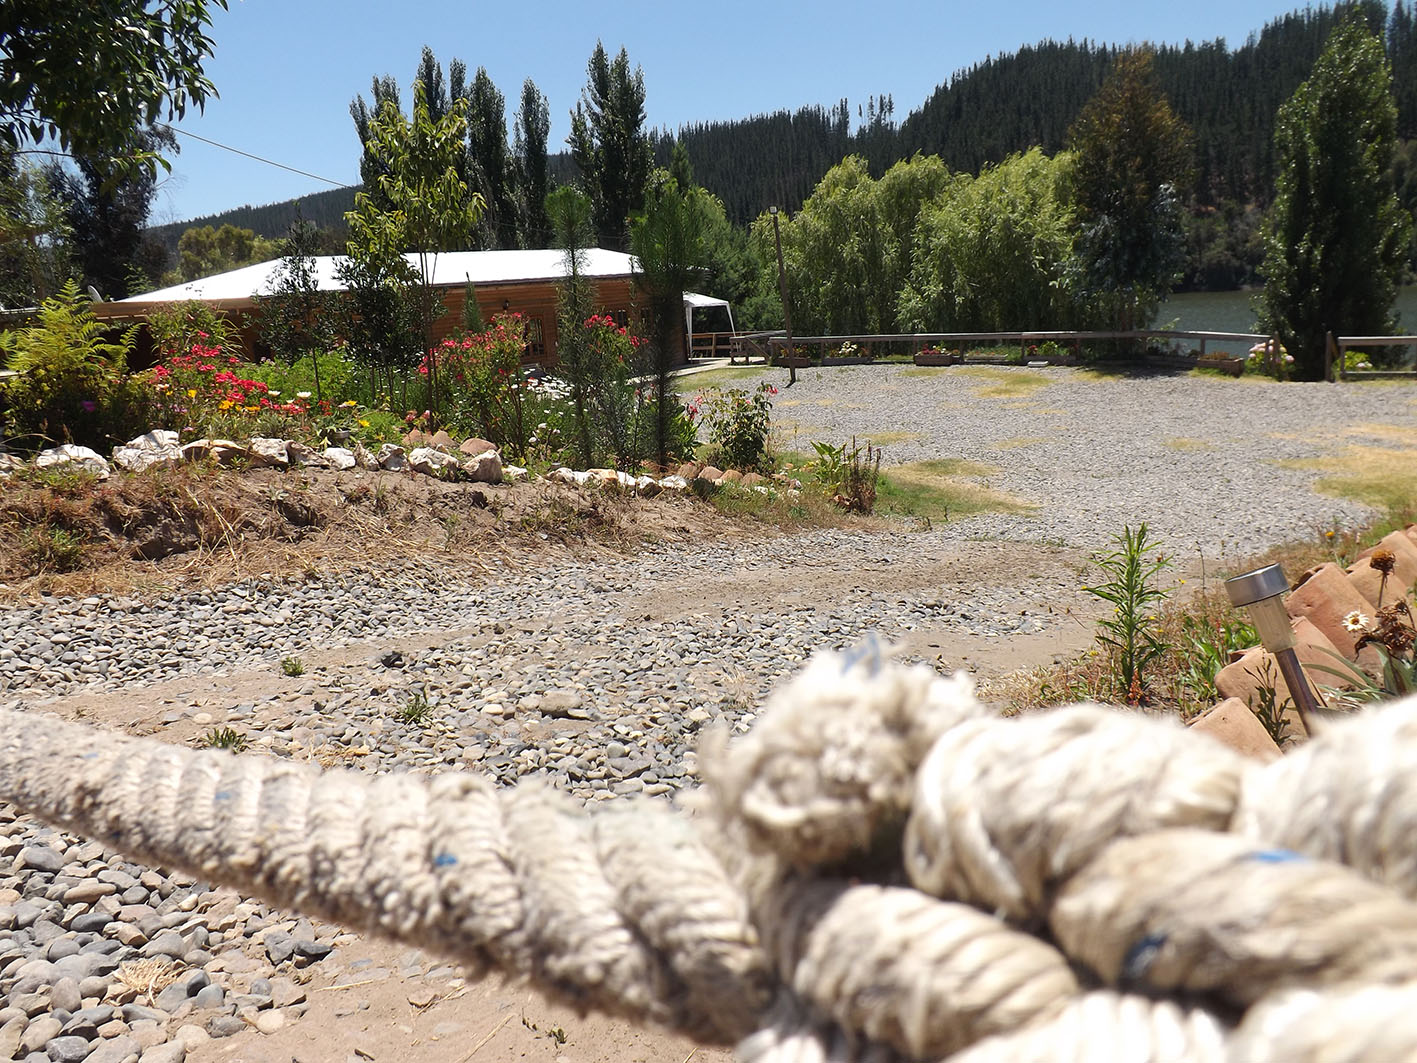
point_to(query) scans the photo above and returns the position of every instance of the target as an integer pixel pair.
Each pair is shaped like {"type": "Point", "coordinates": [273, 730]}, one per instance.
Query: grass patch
{"type": "Point", "coordinates": [942, 490]}
{"type": "Point", "coordinates": [927, 370]}
{"type": "Point", "coordinates": [717, 378]}
{"type": "Point", "coordinates": [1184, 443]}
{"type": "Point", "coordinates": [880, 439]}
{"type": "Point", "coordinates": [1019, 442]}
{"type": "Point", "coordinates": [1375, 476]}
{"type": "Point", "coordinates": [1003, 383]}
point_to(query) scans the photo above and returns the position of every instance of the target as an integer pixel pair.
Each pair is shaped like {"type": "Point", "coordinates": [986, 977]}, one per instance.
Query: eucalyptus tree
{"type": "Point", "coordinates": [97, 80]}
{"type": "Point", "coordinates": [430, 208]}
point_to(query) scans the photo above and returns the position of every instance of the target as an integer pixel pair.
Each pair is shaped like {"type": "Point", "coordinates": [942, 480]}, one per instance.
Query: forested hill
{"type": "Point", "coordinates": [324, 209]}
{"type": "Point", "coordinates": [1001, 105]}
{"type": "Point", "coordinates": [1013, 102]}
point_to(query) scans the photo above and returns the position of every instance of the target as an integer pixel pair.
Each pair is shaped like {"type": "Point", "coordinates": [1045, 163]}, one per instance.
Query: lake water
{"type": "Point", "coordinates": [1234, 312]}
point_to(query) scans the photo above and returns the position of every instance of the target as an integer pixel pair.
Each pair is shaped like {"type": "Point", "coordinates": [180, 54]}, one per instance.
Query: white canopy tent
{"type": "Point", "coordinates": [694, 301]}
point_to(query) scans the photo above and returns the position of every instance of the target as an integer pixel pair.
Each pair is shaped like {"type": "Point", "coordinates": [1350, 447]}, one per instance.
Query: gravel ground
{"type": "Point", "coordinates": [1193, 456]}
{"type": "Point", "coordinates": [596, 676]}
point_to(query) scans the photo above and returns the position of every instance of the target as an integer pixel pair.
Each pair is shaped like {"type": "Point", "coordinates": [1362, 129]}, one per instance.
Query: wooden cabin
{"type": "Point", "coordinates": [527, 282]}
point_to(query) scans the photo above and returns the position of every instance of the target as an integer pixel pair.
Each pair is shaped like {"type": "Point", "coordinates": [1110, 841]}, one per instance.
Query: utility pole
{"type": "Point", "coordinates": [782, 291]}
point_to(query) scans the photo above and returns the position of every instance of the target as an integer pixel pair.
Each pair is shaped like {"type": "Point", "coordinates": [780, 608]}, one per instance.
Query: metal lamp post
{"type": "Point", "coordinates": [1261, 593]}
{"type": "Point", "coordinates": [782, 291]}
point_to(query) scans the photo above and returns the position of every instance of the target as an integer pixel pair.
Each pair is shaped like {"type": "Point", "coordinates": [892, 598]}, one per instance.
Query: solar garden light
{"type": "Point", "coordinates": [1261, 594]}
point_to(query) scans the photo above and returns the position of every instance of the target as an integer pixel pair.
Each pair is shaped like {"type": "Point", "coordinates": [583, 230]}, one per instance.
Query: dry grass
{"type": "Point", "coordinates": [941, 489]}
{"type": "Point", "coordinates": [1381, 477]}
{"type": "Point", "coordinates": [149, 977]}
{"type": "Point", "coordinates": [1019, 442]}
{"type": "Point", "coordinates": [881, 439]}
{"type": "Point", "coordinates": [1184, 443]}
{"type": "Point", "coordinates": [1003, 383]}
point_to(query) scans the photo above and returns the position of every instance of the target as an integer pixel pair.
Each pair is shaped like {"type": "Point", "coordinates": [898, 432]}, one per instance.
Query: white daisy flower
{"type": "Point", "coordinates": [1356, 621]}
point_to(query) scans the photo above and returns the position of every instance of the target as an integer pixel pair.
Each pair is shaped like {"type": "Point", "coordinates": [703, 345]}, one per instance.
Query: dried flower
{"type": "Point", "coordinates": [1383, 560]}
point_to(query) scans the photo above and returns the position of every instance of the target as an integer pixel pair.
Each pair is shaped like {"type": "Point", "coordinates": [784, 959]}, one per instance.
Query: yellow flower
{"type": "Point", "coordinates": [363, 424]}
{"type": "Point", "coordinates": [191, 393]}
{"type": "Point", "coordinates": [226, 404]}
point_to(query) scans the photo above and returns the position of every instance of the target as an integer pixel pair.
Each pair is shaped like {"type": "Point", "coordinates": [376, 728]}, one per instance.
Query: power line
{"type": "Point", "coordinates": [257, 158]}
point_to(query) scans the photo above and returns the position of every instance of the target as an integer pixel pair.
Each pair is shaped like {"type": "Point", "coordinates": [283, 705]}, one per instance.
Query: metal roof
{"type": "Point", "coordinates": [450, 269]}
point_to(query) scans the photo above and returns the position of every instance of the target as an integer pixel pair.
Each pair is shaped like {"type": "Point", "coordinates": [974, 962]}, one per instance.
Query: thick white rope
{"type": "Point", "coordinates": [1106, 1027]}
{"type": "Point", "coordinates": [1005, 812]}
{"type": "Point", "coordinates": [923, 975]}
{"type": "Point", "coordinates": [1109, 834]}
{"type": "Point", "coordinates": [628, 912]}
{"type": "Point", "coordinates": [1349, 796]}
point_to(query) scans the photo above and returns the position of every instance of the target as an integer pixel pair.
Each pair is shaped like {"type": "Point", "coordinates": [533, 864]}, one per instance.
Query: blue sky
{"type": "Point", "coordinates": [286, 70]}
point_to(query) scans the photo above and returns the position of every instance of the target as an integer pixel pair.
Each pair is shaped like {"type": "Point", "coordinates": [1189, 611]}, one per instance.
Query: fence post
{"type": "Point", "coordinates": [1330, 352]}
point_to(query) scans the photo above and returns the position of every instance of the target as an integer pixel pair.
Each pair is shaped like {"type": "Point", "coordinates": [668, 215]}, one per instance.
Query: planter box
{"type": "Point", "coordinates": [793, 361]}
{"type": "Point", "coordinates": [836, 359]}
{"type": "Point", "coordinates": [938, 358]}
{"type": "Point", "coordinates": [1223, 362]}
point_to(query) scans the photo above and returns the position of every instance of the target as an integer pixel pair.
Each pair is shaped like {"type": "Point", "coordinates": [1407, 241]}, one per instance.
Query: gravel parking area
{"type": "Point", "coordinates": [1196, 457]}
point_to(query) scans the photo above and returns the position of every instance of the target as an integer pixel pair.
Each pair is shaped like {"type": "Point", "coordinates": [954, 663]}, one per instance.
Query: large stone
{"type": "Point", "coordinates": [340, 458]}
{"type": "Point", "coordinates": [363, 458]}
{"type": "Point", "coordinates": [69, 1049]}
{"type": "Point", "coordinates": [167, 1052]}
{"type": "Point", "coordinates": [416, 437]}
{"type": "Point", "coordinates": [267, 452]}
{"type": "Point", "coordinates": [674, 483]}
{"type": "Point", "coordinates": [441, 440]}
{"type": "Point", "coordinates": [222, 451]}
{"type": "Point", "coordinates": [307, 457]}
{"type": "Point", "coordinates": [39, 1033]}
{"type": "Point", "coordinates": [709, 474]}
{"type": "Point", "coordinates": [514, 474]}
{"type": "Point", "coordinates": [1232, 723]}
{"type": "Point", "coordinates": [152, 448]}
{"type": "Point", "coordinates": [484, 468]}
{"type": "Point", "coordinates": [473, 447]}
{"type": "Point", "coordinates": [116, 1050]}
{"type": "Point", "coordinates": [730, 476]}
{"type": "Point", "coordinates": [70, 454]}
{"type": "Point", "coordinates": [392, 458]}
{"type": "Point", "coordinates": [39, 858]}
{"type": "Point", "coordinates": [433, 462]}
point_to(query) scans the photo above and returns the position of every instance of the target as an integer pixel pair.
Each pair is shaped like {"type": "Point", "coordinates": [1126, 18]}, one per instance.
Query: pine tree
{"type": "Point", "coordinates": [1336, 236]}
{"type": "Point", "coordinates": [1133, 164]}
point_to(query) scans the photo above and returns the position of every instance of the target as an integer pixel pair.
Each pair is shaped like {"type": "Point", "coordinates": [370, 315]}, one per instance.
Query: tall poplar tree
{"type": "Point", "coordinates": [609, 144]}
{"type": "Point", "coordinates": [491, 162]}
{"type": "Point", "coordinates": [533, 129]}
{"type": "Point", "coordinates": [1336, 236]}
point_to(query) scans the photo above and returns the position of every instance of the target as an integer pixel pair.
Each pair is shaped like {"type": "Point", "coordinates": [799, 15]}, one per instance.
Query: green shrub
{"type": "Point", "coordinates": [72, 381]}
{"type": "Point", "coordinates": [739, 423]}
{"type": "Point", "coordinates": [178, 327]}
{"type": "Point", "coordinates": [1131, 632]}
